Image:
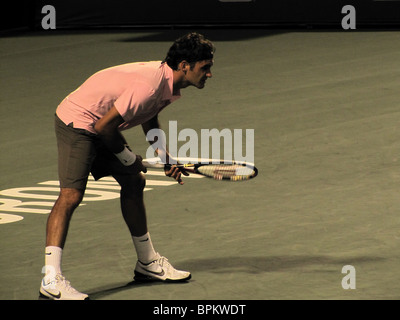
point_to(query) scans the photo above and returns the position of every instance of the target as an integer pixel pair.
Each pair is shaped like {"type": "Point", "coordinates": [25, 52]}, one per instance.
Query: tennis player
{"type": "Point", "coordinates": [88, 125]}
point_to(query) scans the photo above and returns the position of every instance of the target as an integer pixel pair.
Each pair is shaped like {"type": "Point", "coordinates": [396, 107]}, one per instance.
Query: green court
{"type": "Point", "coordinates": [324, 106]}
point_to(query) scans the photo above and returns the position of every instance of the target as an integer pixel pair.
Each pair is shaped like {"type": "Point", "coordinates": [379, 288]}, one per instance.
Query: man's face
{"type": "Point", "coordinates": [200, 72]}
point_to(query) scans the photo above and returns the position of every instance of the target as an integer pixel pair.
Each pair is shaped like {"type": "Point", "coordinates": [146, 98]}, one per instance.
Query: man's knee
{"type": "Point", "coordinates": [71, 197]}
{"type": "Point", "coordinates": [132, 184]}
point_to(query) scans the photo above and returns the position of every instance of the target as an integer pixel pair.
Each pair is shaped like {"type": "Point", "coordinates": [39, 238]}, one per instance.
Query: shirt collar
{"type": "Point", "coordinates": [169, 88]}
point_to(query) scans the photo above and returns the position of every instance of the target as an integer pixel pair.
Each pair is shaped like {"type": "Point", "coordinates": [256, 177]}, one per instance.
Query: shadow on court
{"type": "Point", "coordinates": [105, 291]}
{"type": "Point", "coordinates": [219, 35]}
{"type": "Point", "coordinates": [250, 265]}
{"type": "Point", "coordinates": [155, 35]}
{"type": "Point", "coordinates": [264, 264]}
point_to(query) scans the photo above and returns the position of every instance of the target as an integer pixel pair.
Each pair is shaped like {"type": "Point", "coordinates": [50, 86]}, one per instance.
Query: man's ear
{"type": "Point", "coordinates": [184, 66]}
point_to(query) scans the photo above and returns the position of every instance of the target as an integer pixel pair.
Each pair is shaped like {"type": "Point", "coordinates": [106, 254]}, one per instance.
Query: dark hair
{"type": "Point", "coordinates": [192, 47]}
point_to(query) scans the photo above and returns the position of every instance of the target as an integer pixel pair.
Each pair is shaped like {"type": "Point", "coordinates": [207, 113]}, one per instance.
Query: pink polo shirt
{"type": "Point", "coordinates": [139, 91]}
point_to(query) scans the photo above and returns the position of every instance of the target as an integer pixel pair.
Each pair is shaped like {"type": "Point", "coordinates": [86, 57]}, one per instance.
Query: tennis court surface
{"type": "Point", "coordinates": [324, 106]}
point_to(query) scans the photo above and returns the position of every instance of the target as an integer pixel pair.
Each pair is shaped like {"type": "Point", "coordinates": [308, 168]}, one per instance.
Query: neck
{"type": "Point", "coordinates": [179, 81]}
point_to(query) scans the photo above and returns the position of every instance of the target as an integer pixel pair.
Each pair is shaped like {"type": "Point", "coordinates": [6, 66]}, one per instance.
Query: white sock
{"type": "Point", "coordinates": [144, 248]}
{"type": "Point", "coordinates": [52, 259]}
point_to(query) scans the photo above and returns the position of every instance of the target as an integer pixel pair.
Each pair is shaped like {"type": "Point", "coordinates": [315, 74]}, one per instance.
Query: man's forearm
{"type": "Point", "coordinates": [107, 129]}
{"type": "Point", "coordinates": [113, 140]}
{"type": "Point", "coordinates": [162, 150]}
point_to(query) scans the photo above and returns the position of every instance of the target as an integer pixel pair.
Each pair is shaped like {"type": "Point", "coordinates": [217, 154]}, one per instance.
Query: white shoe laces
{"type": "Point", "coordinates": [61, 281]}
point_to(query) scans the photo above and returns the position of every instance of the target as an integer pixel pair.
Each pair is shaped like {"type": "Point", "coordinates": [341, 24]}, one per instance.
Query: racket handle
{"type": "Point", "coordinates": [167, 166]}
{"type": "Point", "coordinates": [153, 165]}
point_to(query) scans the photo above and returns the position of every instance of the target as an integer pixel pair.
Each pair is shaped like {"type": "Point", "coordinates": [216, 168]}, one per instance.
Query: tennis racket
{"type": "Point", "coordinates": [224, 170]}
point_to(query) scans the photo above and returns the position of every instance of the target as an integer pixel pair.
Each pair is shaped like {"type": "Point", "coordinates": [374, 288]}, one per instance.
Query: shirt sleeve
{"type": "Point", "coordinates": [134, 102]}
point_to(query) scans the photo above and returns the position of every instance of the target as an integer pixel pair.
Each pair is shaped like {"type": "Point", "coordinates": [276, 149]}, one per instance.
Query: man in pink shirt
{"type": "Point", "coordinates": [88, 127]}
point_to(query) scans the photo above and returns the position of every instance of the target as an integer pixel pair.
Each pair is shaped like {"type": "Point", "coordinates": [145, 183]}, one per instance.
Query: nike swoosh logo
{"type": "Point", "coordinates": [147, 239]}
{"type": "Point", "coordinates": [156, 273]}
{"type": "Point", "coordinates": [57, 296]}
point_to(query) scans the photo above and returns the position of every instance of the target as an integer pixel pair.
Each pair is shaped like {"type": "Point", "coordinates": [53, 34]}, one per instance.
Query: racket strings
{"type": "Point", "coordinates": [227, 171]}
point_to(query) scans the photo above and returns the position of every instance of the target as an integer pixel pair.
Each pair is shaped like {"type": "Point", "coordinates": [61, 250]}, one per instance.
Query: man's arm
{"type": "Point", "coordinates": [107, 129]}
{"type": "Point", "coordinates": [155, 124]}
{"type": "Point", "coordinates": [173, 171]}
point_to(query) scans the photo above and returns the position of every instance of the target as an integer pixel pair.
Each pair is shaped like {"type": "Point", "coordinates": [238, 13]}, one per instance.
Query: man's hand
{"type": "Point", "coordinates": [175, 172]}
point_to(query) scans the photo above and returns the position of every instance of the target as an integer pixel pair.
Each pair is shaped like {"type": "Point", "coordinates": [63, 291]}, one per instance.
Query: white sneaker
{"type": "Point", "coordinates": [159, 270]}
{"type": "Point", "coordinates": [59, 289]}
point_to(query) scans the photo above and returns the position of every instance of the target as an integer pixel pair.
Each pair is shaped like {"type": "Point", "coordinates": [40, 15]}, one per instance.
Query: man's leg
{"type": "Point", "coordinates": [60, 216]}
{"type": "Point", "coordinates": [151, 266]}
{"type": "Point", "coordinates": [75, 155]}
{"type": "Point", "coordinates": [54, 285]}
{"type": "Point", "coordinates": [132, 203]}
{"type": "Point", "coordinates": [134, 213]}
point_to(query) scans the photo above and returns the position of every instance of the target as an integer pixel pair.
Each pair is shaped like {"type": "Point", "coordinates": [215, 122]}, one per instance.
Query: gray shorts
{"type": "Point", "coordinates": [81, 152]}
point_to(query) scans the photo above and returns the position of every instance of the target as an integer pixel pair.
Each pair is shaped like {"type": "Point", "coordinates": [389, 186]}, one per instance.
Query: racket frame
{"type": "Point", "coordinates": [193, 168]}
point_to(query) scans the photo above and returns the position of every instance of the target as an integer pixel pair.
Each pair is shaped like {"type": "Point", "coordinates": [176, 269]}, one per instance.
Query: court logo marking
{"type": "Point", "coordinates": [46, 194]}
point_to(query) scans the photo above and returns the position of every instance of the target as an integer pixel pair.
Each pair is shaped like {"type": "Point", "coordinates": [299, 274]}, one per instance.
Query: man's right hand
{"type": "Point", "coordinates": [175, 172]}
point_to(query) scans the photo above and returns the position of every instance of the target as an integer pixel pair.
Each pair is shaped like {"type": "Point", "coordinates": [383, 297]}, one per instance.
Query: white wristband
{"type": "Point", "coordinates": [126, 157]}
